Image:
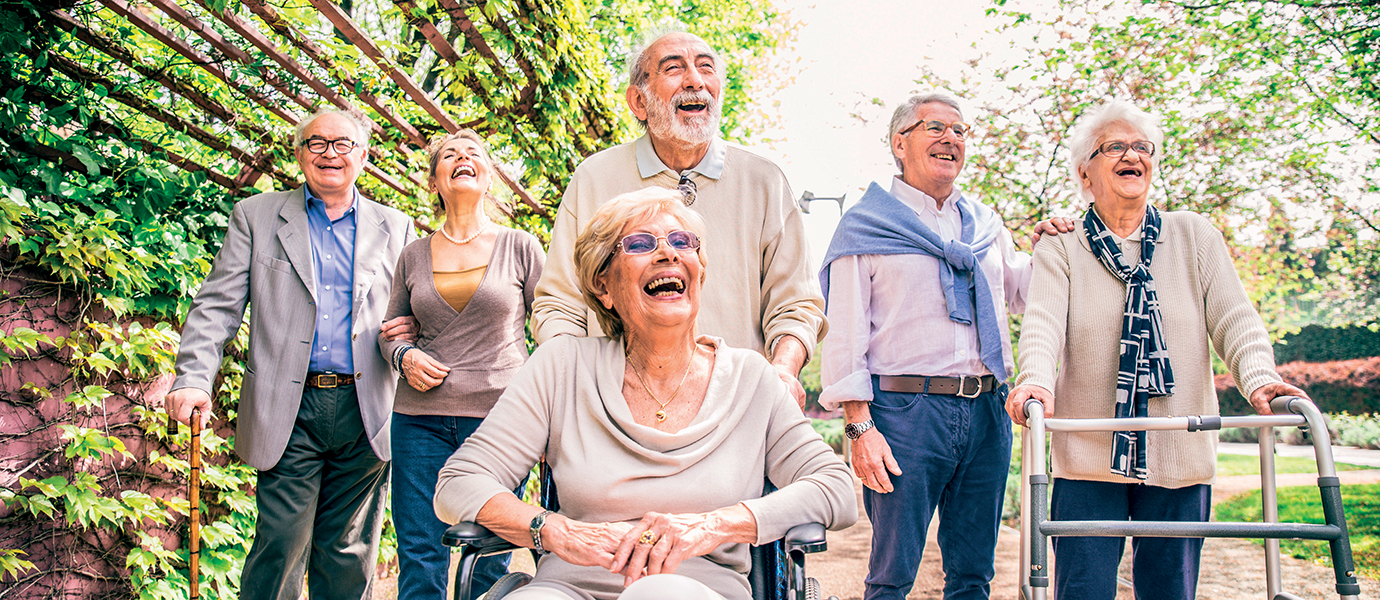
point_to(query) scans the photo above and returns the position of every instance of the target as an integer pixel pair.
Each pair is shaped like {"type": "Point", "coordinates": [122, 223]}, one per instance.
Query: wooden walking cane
{"type": "Point", "coordinates": [194, 502]}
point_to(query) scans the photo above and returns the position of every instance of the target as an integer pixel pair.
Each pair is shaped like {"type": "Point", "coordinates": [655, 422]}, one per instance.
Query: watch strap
{"type": "Point", "coordinates": [855, 430]}
{"type": "Point", "coordinates": [538, 522]}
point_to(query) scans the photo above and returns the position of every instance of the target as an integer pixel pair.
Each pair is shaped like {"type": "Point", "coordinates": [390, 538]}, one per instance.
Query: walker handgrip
{"type": "Point", "coordinates": [1039, 407]}
{"type": "Point", "coordinates": [1281, 405]}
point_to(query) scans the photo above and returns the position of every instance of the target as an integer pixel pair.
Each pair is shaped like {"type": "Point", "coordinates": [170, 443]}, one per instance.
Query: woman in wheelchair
{"type": "Point", "coordinates": [658, 439]}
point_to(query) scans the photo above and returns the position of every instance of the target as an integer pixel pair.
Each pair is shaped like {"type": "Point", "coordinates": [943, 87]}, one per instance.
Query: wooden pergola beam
{"type": "Point", "coordinates": [296, 69]}
{"type": "Point", "coordinates": [352, 32]}
{"type": "Point", "coordinates": [228, 48]}
{"type": "Point", "coordinates": [80, 73]}
{"type": "Point", "coordinates": [281, 27]}
{"type": "Point", "coordinates": [206, 63]}
{"type": "Point", "coordinates": [116, 51]}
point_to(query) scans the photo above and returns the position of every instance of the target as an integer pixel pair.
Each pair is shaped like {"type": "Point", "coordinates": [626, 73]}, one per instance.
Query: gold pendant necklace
{"type": "Point", "coordinates": [660, 414]}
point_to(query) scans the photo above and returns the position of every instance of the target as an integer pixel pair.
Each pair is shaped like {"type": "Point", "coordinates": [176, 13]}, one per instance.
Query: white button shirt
{"type": "Point", "coordinates": [887, 314]}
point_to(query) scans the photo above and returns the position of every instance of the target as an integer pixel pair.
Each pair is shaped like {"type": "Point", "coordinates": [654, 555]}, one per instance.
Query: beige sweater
{"type": "Point", "coordinates": [567, 403]}
{"type": "Point", "coordinates": [1071, 338]}
{"type": "Point", "coordinates": [757, 270]}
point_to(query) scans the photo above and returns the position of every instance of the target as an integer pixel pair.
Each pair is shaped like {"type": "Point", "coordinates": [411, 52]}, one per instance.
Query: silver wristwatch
{"type": "Point", "coordinates": [855, 430]}
{"type": "Point", "coordinates": [538, 522]}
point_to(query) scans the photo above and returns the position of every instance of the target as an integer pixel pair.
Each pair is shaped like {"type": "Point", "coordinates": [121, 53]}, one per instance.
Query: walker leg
{"type": "Point", "coordinates": [1269, 503]}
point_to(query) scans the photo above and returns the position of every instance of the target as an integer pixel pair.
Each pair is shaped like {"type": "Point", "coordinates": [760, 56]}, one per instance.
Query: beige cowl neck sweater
{"type": "Point", "coordinates": [567, 403]}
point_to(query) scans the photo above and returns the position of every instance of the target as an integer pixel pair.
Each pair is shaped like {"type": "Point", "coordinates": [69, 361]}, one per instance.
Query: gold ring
{"type": "Point", "coordinates": [647, 538]}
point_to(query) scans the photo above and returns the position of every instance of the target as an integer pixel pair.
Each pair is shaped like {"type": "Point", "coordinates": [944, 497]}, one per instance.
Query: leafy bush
{"type": "Point", "coordinates": [1351, 386]}
{"type": "Point", "coordinates": [1316, 344]}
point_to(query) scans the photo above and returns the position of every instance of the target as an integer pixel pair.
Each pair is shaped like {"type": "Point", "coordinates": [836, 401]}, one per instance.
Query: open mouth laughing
{"type": "Point", "coordinates": [664, 287]}
{"type": "Point", "coordinates": [462, 171]}
{"type": "Point", "coordinates": [1130, 172]}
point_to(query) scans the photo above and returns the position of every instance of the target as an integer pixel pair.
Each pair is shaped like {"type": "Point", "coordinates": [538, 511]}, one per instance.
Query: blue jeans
{"type": "Point", "coordinates": [1162, 568]}
{"type": "Point", "coordinates": [421, 446]}
{"type": "Point", "coordinates": [954, 454]}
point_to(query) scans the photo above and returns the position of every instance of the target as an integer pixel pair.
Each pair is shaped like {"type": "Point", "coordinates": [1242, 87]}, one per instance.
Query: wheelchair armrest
{"type": "Point", "coordinates": [474, 535]}
{"type": "Point", "coordinates": [807, 538]}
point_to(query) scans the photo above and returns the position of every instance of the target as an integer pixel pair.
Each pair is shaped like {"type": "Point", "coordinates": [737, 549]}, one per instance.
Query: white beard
{"type": "Point", "coordinates": [664, 122]}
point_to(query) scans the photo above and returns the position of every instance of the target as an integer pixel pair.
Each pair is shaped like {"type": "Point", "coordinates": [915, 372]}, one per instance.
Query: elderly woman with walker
{"type": "Point", "coordinates": [1121, 320]}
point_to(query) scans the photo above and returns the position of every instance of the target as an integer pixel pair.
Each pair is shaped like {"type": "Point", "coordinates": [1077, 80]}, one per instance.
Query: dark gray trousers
{"type": "Point", "coordinates": [320, 508]}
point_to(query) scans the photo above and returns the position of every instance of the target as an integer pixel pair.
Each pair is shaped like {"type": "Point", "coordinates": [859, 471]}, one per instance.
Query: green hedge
{"type": "Point", "coordinates": [1316, 343]}
{"type": "Point", "coordinates": [1330, 398]}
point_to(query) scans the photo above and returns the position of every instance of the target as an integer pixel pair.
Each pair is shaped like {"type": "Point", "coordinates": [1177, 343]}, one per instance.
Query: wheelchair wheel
{"type": "Point", "coordinates": [506, 584]}
{"type": "Point", "coordinates": [811, 588]}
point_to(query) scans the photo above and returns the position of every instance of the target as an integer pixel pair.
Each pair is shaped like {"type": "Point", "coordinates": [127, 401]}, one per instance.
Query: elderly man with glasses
{"type": "Point", "coordinates": [316, 263]}
{"type": "Point", "coordinates": [764, 298]}
{"type": "Point", "coordinates": [919, 281]}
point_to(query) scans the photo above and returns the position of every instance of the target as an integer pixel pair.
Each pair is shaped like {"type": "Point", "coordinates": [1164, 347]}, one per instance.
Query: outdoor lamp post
{"type": "Point", "coordinates": [806, 198]}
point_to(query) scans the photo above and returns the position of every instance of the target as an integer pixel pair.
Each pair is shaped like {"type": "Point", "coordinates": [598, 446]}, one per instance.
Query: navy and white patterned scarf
{"type": "Point", "coordinates": [1144, 370]}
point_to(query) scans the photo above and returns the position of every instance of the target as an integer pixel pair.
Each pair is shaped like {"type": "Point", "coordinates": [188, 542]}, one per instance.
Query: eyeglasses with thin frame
{"type": "Point", "coordinates": [643, 243]}
{"type": "Point", "coordinates": [1118, 148]}
{"type": "Point", "coordinates": [342, 146]}
{"type": "Point", "coordinates": [936, 128]}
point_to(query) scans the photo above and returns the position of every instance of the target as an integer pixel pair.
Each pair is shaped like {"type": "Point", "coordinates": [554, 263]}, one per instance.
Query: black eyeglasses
{"type": "Point", "coordinates": [688, 190]}
{"type": "Point", "coordinates": [1117, 149]}
{"type": "Point", "coordinates": [937, 128]}
{"type": "Point", "coordinates": [341, 146]}
{"type": "Point", "coordinates": [642, 243]}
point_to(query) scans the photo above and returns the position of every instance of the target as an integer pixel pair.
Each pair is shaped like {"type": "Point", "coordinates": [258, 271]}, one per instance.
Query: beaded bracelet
{"type": "Point", "coordinates": [398, 355]}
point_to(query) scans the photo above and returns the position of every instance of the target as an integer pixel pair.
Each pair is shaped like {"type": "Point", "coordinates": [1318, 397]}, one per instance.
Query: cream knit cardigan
{"type": "Point", "coordinates": [1071, 339]}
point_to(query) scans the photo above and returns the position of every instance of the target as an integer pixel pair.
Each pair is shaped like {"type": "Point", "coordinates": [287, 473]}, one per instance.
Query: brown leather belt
{"type": "Point", "coordinates": [328, 380]}
{"type": "Point", "coordinates": [963, 387]}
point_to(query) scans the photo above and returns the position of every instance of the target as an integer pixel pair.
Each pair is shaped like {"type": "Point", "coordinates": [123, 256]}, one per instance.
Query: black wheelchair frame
{"type": "Point", "coordinates": [783, 560]}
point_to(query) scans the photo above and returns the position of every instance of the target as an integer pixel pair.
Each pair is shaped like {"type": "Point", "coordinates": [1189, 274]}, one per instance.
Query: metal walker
{"type": "Point", "coordinates": [1289, 411]}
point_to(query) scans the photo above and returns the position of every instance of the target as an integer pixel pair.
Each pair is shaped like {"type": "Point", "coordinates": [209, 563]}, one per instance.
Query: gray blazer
{"type": "Point", "coordinates": [265, 261]}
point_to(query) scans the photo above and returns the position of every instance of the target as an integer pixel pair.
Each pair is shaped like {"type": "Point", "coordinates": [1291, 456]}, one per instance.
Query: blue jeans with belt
{"type": "Point", "coordinates": [954, 454]}
{"type": "Point", "coordinates": [421, 446]}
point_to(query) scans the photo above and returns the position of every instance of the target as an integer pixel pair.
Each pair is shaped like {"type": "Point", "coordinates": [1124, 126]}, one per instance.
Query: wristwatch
{"type": "Point", "coordinates": [855, 430]}
{"type": "Point", "coordinates": [538, 522]}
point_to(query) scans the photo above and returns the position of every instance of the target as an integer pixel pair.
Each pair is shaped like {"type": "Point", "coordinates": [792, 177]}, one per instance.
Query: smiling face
{"type": "Point", "coordinates": [1123, 180]}
{"type": "Point", "coordinates": [658, 289]}
{"type": "Point", "coordinates": [680, 99]}
{"type": "Point", "coordinates": [461, 172]}
{"type": "Point", "coordinates": [929, 163]}
{"type": "Point", "coordinates": [331, 175]}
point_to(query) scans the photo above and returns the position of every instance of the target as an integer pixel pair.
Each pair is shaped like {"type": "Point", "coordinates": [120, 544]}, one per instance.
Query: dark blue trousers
{"type": "Point", "coordinates": [954, 454]}
{"type": "Point", "coordinates": [421, 446]}
{"type": "Point", "coordinates": [1162, 568]}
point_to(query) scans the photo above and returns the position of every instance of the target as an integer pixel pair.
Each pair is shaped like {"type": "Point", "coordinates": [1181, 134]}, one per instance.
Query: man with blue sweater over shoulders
{"type": "Point", "coordinates": [918, 282]}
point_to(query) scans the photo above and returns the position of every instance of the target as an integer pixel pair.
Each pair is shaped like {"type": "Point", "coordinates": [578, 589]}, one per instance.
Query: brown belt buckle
{"type": "Point", "coordinates": [963, 385]}
{"type": "Point", "coordinates": [335, 380]}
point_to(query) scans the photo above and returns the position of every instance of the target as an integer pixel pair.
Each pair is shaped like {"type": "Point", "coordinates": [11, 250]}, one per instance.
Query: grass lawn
{"type": "Point", "coordinates": [1241, 464]}
{"type": "Point", "coordinates": [1299, 504]}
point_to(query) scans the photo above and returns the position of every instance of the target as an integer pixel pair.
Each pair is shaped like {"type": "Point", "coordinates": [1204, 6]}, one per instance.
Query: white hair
{"type": "Point", "coordinates": [1082, 140]}
{"type": "Point", "coordinates": [361, 123]}
{"type": "Point", "coordinates": [905, 115]}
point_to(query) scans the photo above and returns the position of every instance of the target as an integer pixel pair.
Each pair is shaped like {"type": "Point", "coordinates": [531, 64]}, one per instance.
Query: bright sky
{"type": "Point", "coordinates": [851, 52]}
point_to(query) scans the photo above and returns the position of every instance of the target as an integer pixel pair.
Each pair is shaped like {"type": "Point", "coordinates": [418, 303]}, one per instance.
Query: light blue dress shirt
{"type": "Point", "coordinates": [333, 259]}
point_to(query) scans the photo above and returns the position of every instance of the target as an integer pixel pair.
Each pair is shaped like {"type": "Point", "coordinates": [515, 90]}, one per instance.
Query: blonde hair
{"type": "Point", "coordinates": [595, 247]}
